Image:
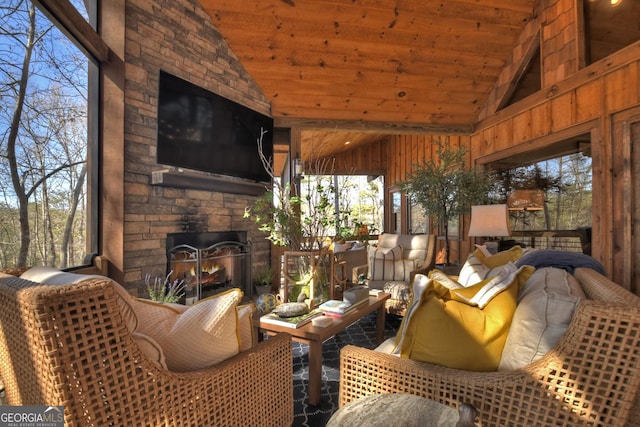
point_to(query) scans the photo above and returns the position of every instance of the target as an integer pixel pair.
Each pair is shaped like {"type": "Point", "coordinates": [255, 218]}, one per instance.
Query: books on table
{"type": "Point", "coordinates": [337, 308]}
{"type": "Point", "coordinates": [291, 322]}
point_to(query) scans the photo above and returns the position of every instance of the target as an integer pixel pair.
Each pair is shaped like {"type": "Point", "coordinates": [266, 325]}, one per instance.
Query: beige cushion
{"type": "Point", "coordinates": [199, 337]}
{"type": "Point", "coordinates": [150, 348]}
{"type": "Point", "coordinates": [414, 246]}
{"type": "Point", "coordinates": [546, 304]}
{"type": "Point", "coordinates": [383, 263]}
{"type": "Point", "coordinates": [53, 276]}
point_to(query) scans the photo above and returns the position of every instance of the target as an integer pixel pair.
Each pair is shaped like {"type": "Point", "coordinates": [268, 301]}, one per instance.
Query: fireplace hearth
{"type": "Point", "coordinates": [210, 262]}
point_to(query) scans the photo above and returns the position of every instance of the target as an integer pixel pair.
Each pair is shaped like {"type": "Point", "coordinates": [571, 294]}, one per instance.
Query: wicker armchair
{"type": "Point", "coordinates": [592, 377]}
{"type": "Point", "coordinates": [68, 345]}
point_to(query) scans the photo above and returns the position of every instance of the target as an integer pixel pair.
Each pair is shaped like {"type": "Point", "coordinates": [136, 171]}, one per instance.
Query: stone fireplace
{"type": "Point", "coordinates": [210, 262]}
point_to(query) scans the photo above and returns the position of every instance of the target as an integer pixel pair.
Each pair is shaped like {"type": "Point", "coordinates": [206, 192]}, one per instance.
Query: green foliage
{"type": "Point", "coordinates": [262, 275]}
{"type": "Point", "coordinates": [446, 189]}
{"type": "Point", "coordinates": [163, 290]}
{"type": "Point", "coordinates": [276, 214]}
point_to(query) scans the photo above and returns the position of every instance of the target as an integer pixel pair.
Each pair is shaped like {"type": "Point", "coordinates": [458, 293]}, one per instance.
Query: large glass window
{"type": "Point", "coordinates": [351, 204]}
{"type": "Point", "coordinates": [550, 201]}
{"type": "Point", "coordinates": [47, 93]}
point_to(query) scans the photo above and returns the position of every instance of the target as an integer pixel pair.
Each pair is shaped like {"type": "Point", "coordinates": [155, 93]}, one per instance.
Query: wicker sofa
{"type": "Point", "coordinates": [68, 345]}
{"type": "Point", "coordinates": [592, 376]}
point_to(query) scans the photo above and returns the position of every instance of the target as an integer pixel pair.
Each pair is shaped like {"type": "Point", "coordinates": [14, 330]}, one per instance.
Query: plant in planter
{"type": "Point", "coordinates": [164, 290]}
{"type": "Point", "coordinates": [298, 223]}
{"type": "Point", "coordinates": [262, 279]}
{"type": "Point", "coordinates": [444, 188]}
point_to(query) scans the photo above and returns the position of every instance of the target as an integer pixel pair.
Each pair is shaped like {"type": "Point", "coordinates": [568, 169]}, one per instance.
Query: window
{"type": "Point", "coordinates": [48, 100]}
{"type": "Point", "coordinates": [358, 205]}
{"type": "Point", "coordinates": [418, 221]}
{"type": "Point", "coordinates": [610, 25]}
{"type": "Point", "coordinates": [550, 200]}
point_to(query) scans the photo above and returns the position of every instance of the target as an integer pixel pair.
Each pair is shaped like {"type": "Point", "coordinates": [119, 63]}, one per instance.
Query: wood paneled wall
{"type": "Point", "coordinates": [571, 102]}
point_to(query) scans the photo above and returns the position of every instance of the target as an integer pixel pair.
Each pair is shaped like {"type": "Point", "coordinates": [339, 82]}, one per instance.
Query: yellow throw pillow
{"type": "Point", "coordinates": [501, 258]}
{"type": "Point", "coordinates": [448, 327]}
{"type": "Point", "coordinates": [201, 336]}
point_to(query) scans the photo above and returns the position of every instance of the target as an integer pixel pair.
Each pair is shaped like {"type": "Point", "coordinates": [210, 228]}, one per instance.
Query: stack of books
{"type": "Point", "coordinates": [338, 308]}
{"type": "Point", "coordinates": [291, 322]}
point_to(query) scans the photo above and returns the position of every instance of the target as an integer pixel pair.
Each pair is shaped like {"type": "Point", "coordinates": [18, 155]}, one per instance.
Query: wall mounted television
{"type": "Point", "coordinates": [203, 131]}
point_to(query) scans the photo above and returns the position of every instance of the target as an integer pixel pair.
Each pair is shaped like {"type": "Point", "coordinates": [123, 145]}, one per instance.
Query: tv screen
{"type": "Point", "coordinates": [200, 130]}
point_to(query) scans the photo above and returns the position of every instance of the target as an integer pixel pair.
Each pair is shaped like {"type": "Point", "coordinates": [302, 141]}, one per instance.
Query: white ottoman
{"type": "Point", "coordinates": [402, 410]}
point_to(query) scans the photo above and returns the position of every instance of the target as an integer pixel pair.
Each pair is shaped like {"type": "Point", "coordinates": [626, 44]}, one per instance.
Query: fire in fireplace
{"type": "Point", "coordinates": [210, 262]}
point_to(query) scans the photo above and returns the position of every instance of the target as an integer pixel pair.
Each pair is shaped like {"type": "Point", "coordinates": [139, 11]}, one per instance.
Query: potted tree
{"type": "Point", "coordinates": [444, 188]}
{"type": "Point", "coordinates": [299, 224]}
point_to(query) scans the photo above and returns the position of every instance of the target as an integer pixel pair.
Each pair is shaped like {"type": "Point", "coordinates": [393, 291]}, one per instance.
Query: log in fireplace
{"type": "Point", "coordinates": [210, 262]}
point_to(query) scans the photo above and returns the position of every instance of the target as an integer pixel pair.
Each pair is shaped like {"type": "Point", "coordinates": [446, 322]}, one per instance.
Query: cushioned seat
{"type": "Point", "coordinates": [588, 375]}
{"type": "Point", "coordinates": [394, 261]}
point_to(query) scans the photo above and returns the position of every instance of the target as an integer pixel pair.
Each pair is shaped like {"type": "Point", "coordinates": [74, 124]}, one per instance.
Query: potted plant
{"type": "Point", "coordinates": [262, 279]}
{"type": "Point", "coordinates": [445, 188]}
{"type": "Point", "coordinates": [299, 224]}
{"type": "Point", "coordinates": [164, 290]}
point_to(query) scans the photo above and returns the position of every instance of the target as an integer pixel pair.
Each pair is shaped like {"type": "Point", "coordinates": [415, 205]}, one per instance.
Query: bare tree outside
{"type": "Point", "coordinates": [43, 146]}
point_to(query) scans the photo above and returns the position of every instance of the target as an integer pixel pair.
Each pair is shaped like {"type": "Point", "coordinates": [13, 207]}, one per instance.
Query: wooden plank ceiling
{"type": "Point", "coordinates": [344, 70]}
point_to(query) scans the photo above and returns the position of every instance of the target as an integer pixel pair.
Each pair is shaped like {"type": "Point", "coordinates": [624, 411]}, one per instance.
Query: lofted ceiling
{"type": "Point", "coordinates": [344, 70]}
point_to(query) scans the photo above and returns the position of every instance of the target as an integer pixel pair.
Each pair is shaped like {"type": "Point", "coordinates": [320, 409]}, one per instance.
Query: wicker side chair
{"type": "Point", "coordinates": [591, 377]}
{"type": "Point", "coordinates": [68, 345]}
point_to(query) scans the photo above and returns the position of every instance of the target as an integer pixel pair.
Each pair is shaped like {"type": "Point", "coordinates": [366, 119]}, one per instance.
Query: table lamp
{"type": "Point", "coordinates": [489, 221]}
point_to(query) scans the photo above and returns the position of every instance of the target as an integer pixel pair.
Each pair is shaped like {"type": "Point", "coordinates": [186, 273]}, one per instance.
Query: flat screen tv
{"type": "Point", "coordinates": [203, 131]}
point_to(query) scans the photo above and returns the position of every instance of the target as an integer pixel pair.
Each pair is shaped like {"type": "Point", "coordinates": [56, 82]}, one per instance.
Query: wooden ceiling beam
{"type": "Point", "coordinates": [385, 128]}
{"type": "Point", "coordinates": [392, 43]}
{"type": "Point", "coordinates": [387, 14]}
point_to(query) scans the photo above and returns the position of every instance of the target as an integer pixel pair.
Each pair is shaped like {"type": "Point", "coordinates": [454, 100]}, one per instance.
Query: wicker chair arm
{"type": "Point", "coordinates": [566, 387]}
{"type": "Point", "coordinates": [70, 346]}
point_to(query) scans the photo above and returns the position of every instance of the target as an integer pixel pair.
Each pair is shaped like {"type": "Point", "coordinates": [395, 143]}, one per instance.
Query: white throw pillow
{"type": "Point", "coordinates": [199, 337]}
{"type": "Point", "coordinates": [546, 304]}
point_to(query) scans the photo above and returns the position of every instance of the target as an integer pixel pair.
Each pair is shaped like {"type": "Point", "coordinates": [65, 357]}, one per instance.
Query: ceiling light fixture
{"type": "Point", "coordinates": [615, 3]}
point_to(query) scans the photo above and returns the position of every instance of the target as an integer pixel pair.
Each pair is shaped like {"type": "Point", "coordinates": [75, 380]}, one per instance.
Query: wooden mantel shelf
{"type": "Point", "coordinates": [203, 181]}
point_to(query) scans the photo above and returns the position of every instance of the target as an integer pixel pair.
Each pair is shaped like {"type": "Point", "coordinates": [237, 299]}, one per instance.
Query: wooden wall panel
{"type": "Point", "coordinates": [503, 135]}
{"type": "Point", "coordinates": [562, 109]}
{"type": "Point", "coordinates": [540, 120]}
{"type": "Point", "coordinates": [585, 102]}
{"type": "Point", "coordinates": [588, 101]}
{"type": "Point", "coordinates": [522, 127]}
{"type": "Point", "coordinates": [621, 88]}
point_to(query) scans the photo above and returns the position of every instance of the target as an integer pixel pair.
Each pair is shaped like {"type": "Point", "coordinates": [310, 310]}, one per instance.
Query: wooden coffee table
{"type": "Point", "coordinates": [314, 336]}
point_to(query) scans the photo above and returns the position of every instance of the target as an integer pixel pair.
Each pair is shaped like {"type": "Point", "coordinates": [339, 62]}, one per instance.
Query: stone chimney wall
{"type": "Point", "coordinates": [177, 37]}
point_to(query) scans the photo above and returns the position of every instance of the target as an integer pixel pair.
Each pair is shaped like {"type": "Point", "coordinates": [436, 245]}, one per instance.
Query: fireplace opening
{"type": "Point", "coordinates": [210, 262]}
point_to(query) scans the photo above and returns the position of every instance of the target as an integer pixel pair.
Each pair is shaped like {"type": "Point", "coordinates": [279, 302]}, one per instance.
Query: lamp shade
{"type": "Point", "coordinates": [489, 220]}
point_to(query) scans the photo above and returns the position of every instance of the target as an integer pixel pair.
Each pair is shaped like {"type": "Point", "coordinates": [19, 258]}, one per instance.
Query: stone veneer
{"type": "Point", "coordinates": [177, 37]}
